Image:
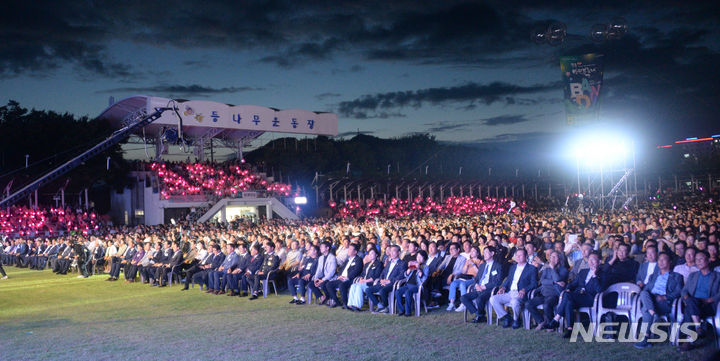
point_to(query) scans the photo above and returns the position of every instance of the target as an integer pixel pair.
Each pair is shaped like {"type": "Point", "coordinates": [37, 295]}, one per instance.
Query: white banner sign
{"type": "Point", "coordinates": [200, 113]}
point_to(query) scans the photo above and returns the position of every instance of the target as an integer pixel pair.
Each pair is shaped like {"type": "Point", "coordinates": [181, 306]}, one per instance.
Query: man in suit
{"type": "Point", "coordinates": [395, 271]}
{"type": "Point", "coordinates": [63, 260]}
{"type": "Point", "coordinates": [583, 289]}
{"type": "Point", "coordinates": [521, 279]}
{"type": "Point", "coordinates": [148, 263]}
{"type": "Point", "coordinates": [228, 265]}
{"type": "Point", "coordinates": [271, 262]}
{"type": "Point", "coordinates": [50, 252]}
{"type": "Point", "coordinates": [352, 269]}
{"type": "Point", "coordinates": [135, 262]}
{"type": "Point", "coordinates": [22, 252]}
{"type": "Point", "coordinates": [299, 279]}
{"type": "Point", "coordinates": [256, 261]}
{"type": "Point", "coordinates": [489, 276]}
{"type": "Point", "coordinates": [325, 272]}
{"type": "Point", "coordinates": [40, 247]}
{"type": "Point", "coordinates": [232, 279]}
{"type": "Point", "coordinates": [451, 266]}
{"type": "Point", "coordinates": [116, 260]}
{"type": "Point", "coordinates": [205, 259]}
{"type": "Point", "coordinates": [658, 295]}
{"type": "Point", "coordinates": [582, 263]}
{"type": "Point", "coordinates": [647, 268]}
{"type": "Point", "coordinates": [161, 263]}
{"type": "Point", "coordinates": [123, 262]}
{"type": "Point", "coordinates": [700, 294]}
{"type": "Point", "coordinates": [211, 265]}
{"type": "Point", "coordinates": [98, 254]}
{"type": "Point", "coordinates": [174, 261]}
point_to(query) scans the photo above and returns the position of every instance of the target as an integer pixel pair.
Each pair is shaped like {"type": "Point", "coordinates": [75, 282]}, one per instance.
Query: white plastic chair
{"type": "Point", "coordinates": [626, 305]}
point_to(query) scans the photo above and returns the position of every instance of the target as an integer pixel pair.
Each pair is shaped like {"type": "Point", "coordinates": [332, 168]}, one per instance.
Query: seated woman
{"type": "Point", "coordinates": [553, 279]}
{"type": "Point", "coordinates": [416, 274]}
{"type": "Point", "coordinates": [371, 272]}
{"type": "Point", "coordinates": [582, 291]}
{"type": "Point", "coordinates": [464, 280]}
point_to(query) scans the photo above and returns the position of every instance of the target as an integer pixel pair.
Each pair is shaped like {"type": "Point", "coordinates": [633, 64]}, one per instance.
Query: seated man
{"type": "Point", "coordinates": [271, 262]}
{"type": "Point", "coordinates": [688, 267]}
{"type": "Point", "coordinates": [50, 252]}
{"type": "Point", "coordinates": [582, 291]}
{"type": "Point", "coordinates": [553, 279]}
{"type": "Point", "coordinates": [232, 279]}
{"type": "Point", "coordinates": [254, 265]}
{"type": "Point", "coordinates": [393, 272]}
{"type": "Point", "coordinates": [174, 261]}
{"type": "Point", "coordinates": [352, 268]}
{"type": "Point", "coordinates": [98, 253]}
{"type": "Point", "coordinates": [212, 264]}
{"type": "Point", "coordinates": [325, 272]}
{"type": "Point", "coordinates": [489, 276]}
{"type": "Point", "coordinates": [148, 266]}
{"type": "Point", "coordinates": [521, 279]}
{"type": "Point", "coordinates": [203, 257]}
{"type": "Point", "coordinates": [124, 263]}
{"type": "Point", "coordinates": [648, 267]}
{"type": "Point", "coordinates": [228, 265]}
{"type": "Point", "coordinates": [451, 266]}
{"type": "Point", "coordinates": [620, 268]}
{"type": "Point", "coordinates": [658, 295]}
{"type": "Point", "coordinates": [161, 263]}
{"type": "Point", "coordinates": [700, 294]}
{"type": "Point", "coordinates": [63, 260]}
{"type": "Point", "coordinates": [299, 279]}
{"type": "Point", "coordinates": [135, 262]}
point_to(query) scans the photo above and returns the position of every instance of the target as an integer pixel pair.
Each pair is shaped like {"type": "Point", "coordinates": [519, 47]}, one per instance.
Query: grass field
{"type": "Point", "coordinates": [48, 317]}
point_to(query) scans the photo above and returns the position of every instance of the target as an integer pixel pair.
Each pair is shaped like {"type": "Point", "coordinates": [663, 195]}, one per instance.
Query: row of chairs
{"type": "Point", "coordinates": [628, 305]}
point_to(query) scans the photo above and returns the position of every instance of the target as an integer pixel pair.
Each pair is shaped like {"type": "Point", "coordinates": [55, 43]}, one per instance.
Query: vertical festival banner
{"type": "Point", "coordinates": [582, 78]}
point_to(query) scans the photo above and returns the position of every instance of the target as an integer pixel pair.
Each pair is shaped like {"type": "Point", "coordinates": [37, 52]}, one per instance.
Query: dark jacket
{"type": "Point", "coordinates": [672, 289]}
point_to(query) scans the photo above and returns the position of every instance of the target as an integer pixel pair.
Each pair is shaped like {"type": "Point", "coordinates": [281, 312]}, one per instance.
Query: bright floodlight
{"type": "Point", "coordinates": [300, 200]}
{"type": "Point", "coordinates": [597, 149]}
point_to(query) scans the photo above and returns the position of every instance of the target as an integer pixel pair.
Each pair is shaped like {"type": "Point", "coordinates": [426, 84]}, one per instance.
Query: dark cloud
{"type": "Point", "coordinates": [471, 92]}
{"type": "Point", "coordinates": [180, 90]}
{"type": "Point", "coordinates": [504, 120]}
{"type": "Point", "coordinates": [446, 127]}
{"type": "Point", "coordinates": [516, 137]}
{"type": "Point", "coordinates": [323, 96]}
{"type": "Point", "coordinates": [354, 133]}
{"type": "Point", "coordinates": [43, 35]}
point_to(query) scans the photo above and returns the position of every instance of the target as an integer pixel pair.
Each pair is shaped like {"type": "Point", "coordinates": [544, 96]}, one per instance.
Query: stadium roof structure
{"type": "Point", "coordinates": [199, 120]}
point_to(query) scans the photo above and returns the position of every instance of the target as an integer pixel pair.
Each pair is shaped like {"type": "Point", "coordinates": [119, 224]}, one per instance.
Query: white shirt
{"type": "Point", "coordinates": [345, 270]}
{"type": "Point", "coordinates": [390, 267]}
{"type": "Point", "coordinates": [201, 254]}
{"type": "Point", "coordinates": [516, 277]}
{"type": "Point", "coordinates": [685, 270]}
{"type": "Point", "coordinates": [590, 275]}
{"type": "Point", "coordinates": [430, 259]}
{"type": "Point", "coordinates": [650, 270]}
{"type": "Point", "coordinates": [486, 278]}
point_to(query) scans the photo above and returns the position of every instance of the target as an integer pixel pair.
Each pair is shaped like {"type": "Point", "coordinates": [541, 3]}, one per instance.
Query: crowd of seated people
{"type": "Point", "coordinates": [25, 221]}
{"type": "Point", "coordinates": [548, 263]}
{"type": "Point", "coordinates": [419, 207]}
{"type": "Point", "coordinates": [183, 179]}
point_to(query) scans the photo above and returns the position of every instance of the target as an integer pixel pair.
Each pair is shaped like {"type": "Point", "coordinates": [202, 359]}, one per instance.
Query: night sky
{"type": "Point", "coordinates": [463, 71]}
